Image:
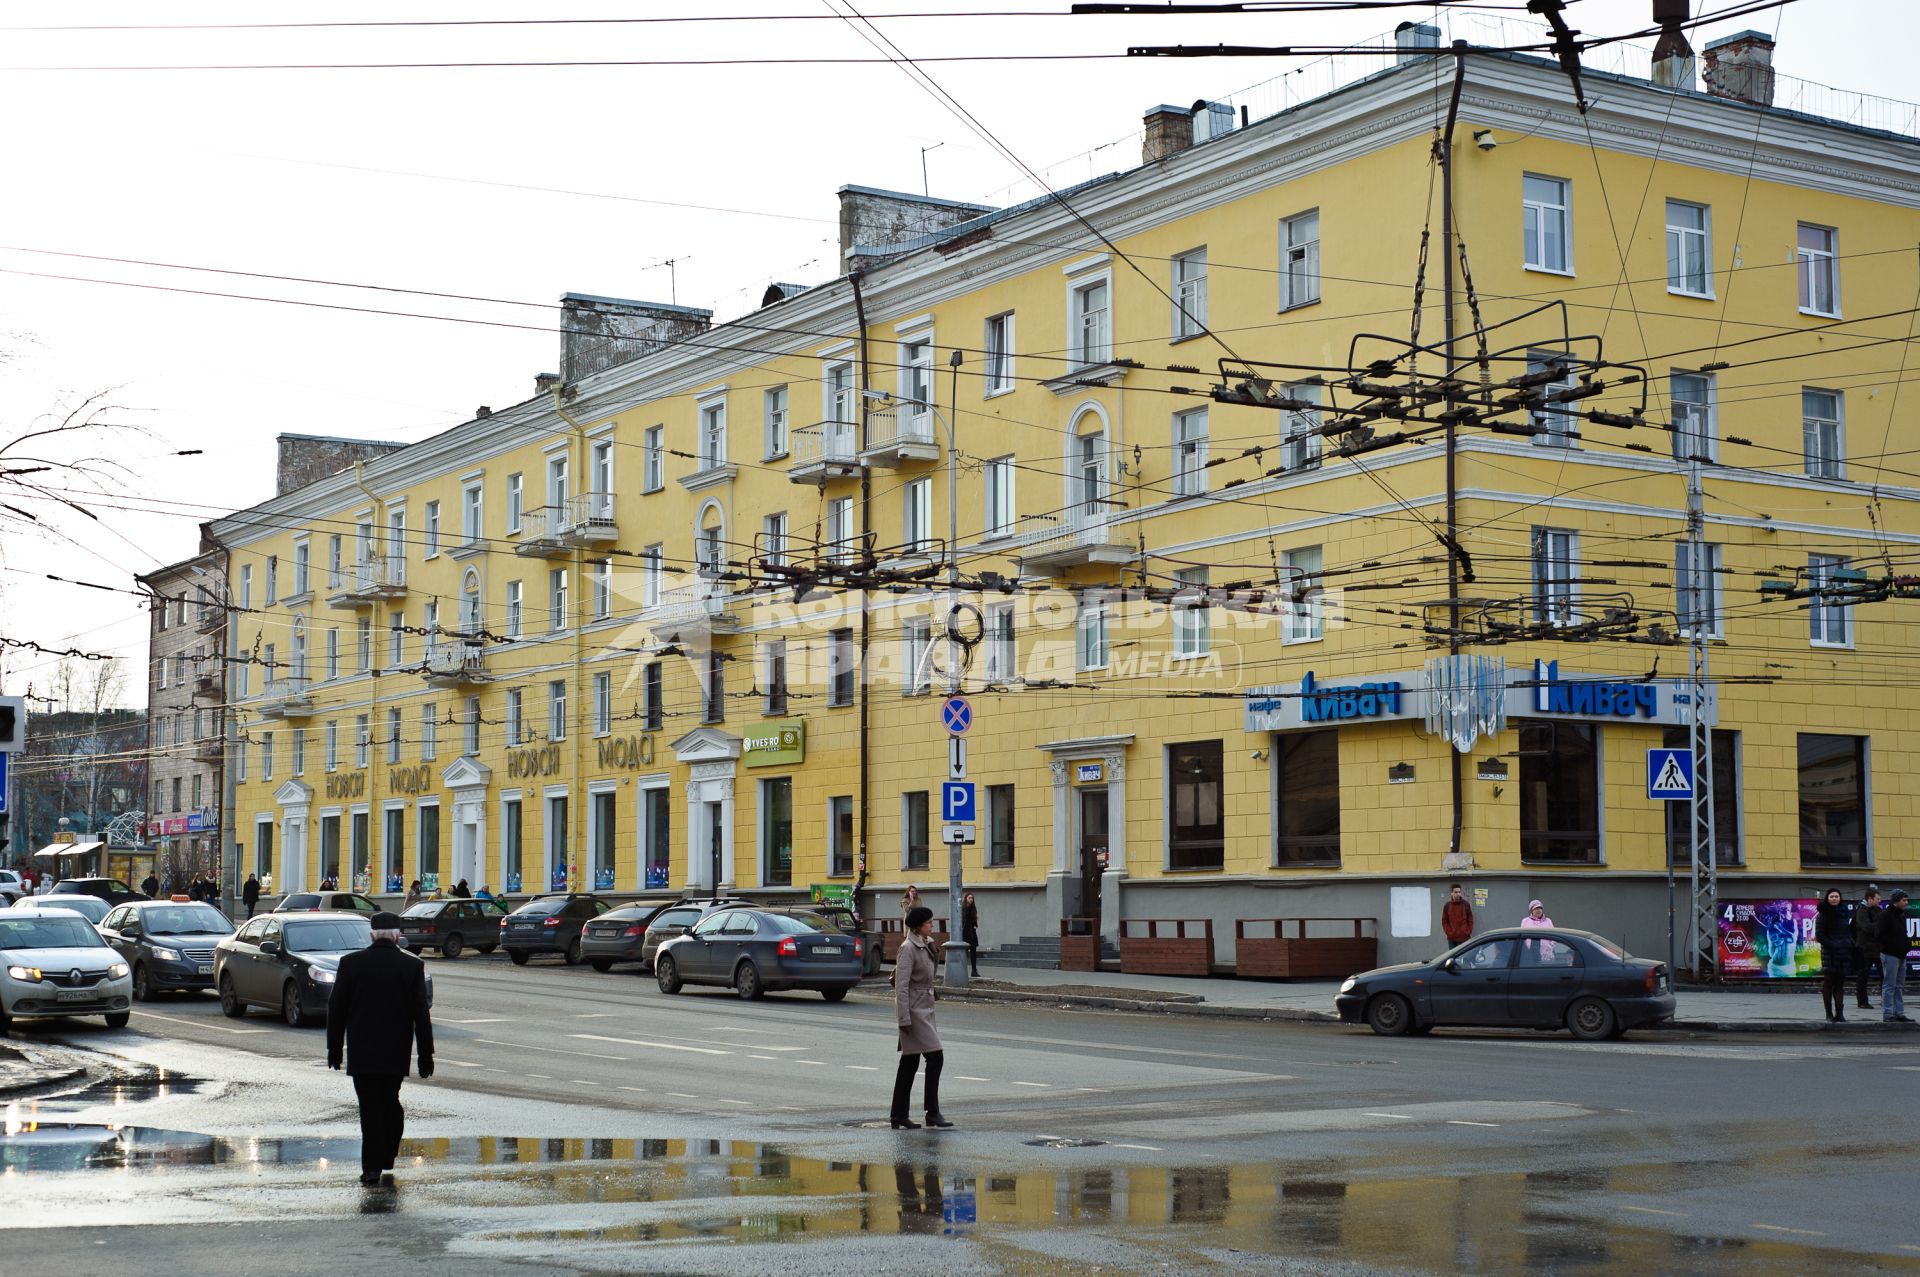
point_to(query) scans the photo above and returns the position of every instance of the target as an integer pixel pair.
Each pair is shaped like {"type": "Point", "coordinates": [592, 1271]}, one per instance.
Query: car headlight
{"type": "Point", "coordinates": [24, 973]}
{"type": "Point", "coordinates": [1349, 985]}
{"type": "Point", "coordinates": [320, 975]}
{"type": "Point", "coordinates": [117, 970]}
{"type": "Point", "coordinates": [165, 954]}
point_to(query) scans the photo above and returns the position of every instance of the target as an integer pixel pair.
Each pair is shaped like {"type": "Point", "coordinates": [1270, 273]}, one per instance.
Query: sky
{"type": "Point", "coordinates": [510, 185]}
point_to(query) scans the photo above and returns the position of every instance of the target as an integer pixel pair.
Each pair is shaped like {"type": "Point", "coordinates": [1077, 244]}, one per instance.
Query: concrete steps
{"type": "Point", "coordinates": [1039, 953]}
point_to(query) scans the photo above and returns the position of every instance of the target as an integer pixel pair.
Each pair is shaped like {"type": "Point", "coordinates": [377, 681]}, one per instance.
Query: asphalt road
{"type": "Point", "coordinates": [582, 1121]}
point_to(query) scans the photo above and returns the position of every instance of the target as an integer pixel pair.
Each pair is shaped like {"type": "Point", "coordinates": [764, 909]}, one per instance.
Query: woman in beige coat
{"type": "Point", "coordinates": [913, 1009]}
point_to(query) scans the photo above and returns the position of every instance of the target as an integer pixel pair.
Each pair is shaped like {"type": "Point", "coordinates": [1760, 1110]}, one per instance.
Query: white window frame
{"type": "Point", "coordinates": [396, 638]}
{"type": "Point", "coordinates": [776, 419]}
{"type": "Point", "coordinates": [393, 734]}
{"type": "Point", "coordinates": [302, 573]}
{"type": "Point", "coordinates": [1189, 294]}
{"type": "Point", "coordinates": [1003, 644]}
{"type": "Point", "coordinates": [246, 586]}
{"type": "Point", "coordinates": [603, 703]}
{"type": "Point", "coordinates": [997, 368]}
{"type": "Point", "coordinates": [1091, 642]}
{"type": "Point", "coordinates": [840, 534]}
{"type": "Point", "coordinates": [558, 604]}
{"type": "Point", "coordinates": [266, 756]}
{"type": "Point", "coordinates": [1540, 211]}
{"type": "Point", "coordinates": [1707, 582]}
{"type": "Point", "coordinates": [516, 501]}
{"type": "Point", "coordinates": [430, 530]}
{"type": "Point", "coordinates": [837, 391]}
{"type": "Point", "coordinates": [1821, 461]}
{"type": "Point", "coordinates": [429, 734]}
{"type": "Point", "coordinates": [1828, 624]}
{"type": "Point", "coordinates": [1300, 259]}
{"type": "Point", "coordinates": [362, 740]}
{"type": "Point", "coordinates": [1687, 245]}
{"type": "Point", "coordinates": [516, 717]}
{"type": "Point", "coordinates": [600, 476]}
{"type": "Point", "coordinates": [273, 579]}
{"type": "Point", "coordinates": [299, 760]}
{"type": "Point", "coordinates": [653, 459]}
{"type": "Point", "coordinates": [1001, 509]}
{"type": "Point", "coordinates": [1301, 443]}
{"type": "Point", "coordinates": [470, 728]}
{"type": "Point", "coordinates": [916, 515]}
{"type": "Point", "coordinates": [652, 570]}
{"type": "Point", "coordinates": [712, 434]}
{"type": "Point", "coordinates": [1694, 417]}
{"type": "Point", "coordinates": [1555, 557]}
{"type": "Point", "coordinates": [516, 607]}
{"type": "Point", "coordinates": [330, 746]}
{"type": "Point", "coordinates": [1305, 620]}
{"type": "Point", "coordinates": [1559, 428]}
{"type": "Point", "coordinates": [1190, 452]}
{"type": "Point", "coordinates": [557, 709]}
{"type": "Point", "coordinates": [333, 652]}
{"type": "Point", "coordinates": [916, 647]}
{"type": "Point", "coordinates": [473, 513]}
{"type": "Point", "coordinates": [602, 589]}
{"type": "Point", "coordinates": [773, 537]}
{"type": "Point", "coordinates": [916, 383]}
{"type": "Point", "coordinates": [773, 670]}
{"type": "Point", "coordinates": [1090, 329]}
{"type": "Point", "coordinates": [1811, 264]}
{"type": "Point", "coordinates": [1192, 622]}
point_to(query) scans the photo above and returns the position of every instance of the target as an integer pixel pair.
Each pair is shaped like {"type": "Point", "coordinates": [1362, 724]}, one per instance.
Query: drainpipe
{"type": "Point", "coordinates": [866, 617]}
{"type": "Point", "coordinates": [1444, 148]}
{"type": "Point", "coordinates": [374, 797]}
{"type": "Point", "coordinates": [576, 828]}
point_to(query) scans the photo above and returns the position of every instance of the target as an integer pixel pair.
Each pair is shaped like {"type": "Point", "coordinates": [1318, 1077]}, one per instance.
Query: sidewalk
{"type": "Point", "coordinates": [1720, 1010]}
{"type": "Point", "coordinates": [21, 1072]}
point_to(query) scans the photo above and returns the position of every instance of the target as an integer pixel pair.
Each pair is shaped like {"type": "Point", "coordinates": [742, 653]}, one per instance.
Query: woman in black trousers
{"type": "Point", "coordinates": [913, 1007]}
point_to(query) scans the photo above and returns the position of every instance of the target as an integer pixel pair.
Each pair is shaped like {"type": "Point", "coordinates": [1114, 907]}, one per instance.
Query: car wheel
{"type": "Point", "coordinates": [118, 1019]}
{"type": "Point", "coordinates": [230, 1004]}
{"type": "Point", "coordinates": [450, 947]}
{"type": "Point", "coordinates": [1389, 1015]}
{"type": "Point", "coordinates": [572, 954]}
{"type": "Point", "coordinates": [291, 1012]}
{"type": "Point", "coordinates": [603, 964]}
{"type": "Point", "coordinates": [519, 957]}
{"type": "Point", "coordinates": [667, 975]}
{"type": "Point", "coordinates": [142, 984]}
{"type": "Point", "coordinates": [1591, 1020]}
{"type": "Point", "coordinates": [746, 982]}
{"type": "Point", "coordinates": [834, 995]}
{"type": "Point", "coordinates": [6, 1022]}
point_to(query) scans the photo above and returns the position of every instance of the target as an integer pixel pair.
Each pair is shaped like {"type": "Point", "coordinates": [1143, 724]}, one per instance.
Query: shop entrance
{"type": "Point", "coordinates": [1083, 887]}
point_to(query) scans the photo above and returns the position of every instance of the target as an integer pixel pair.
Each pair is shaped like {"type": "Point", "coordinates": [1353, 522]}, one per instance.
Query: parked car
{"type": "Point", "coordinates": [551, 924]}
{"type": "Point", "coordinates": [168, 945]}
{"type": "Point", "coordinates": [314, 901]}
{"type": "Point", "coordinates": [53, 963]}
{"type": "Point", "coordinates": [621, 934]}
{"type": "Point", "coordinates": [1538, 979]}
{"type": "Point", "coordinates": [288, 962]}
{"type": "Point", "coordinates": [11, 886]}
{"type": "Point", "coordinates": [453, 926]}
{"type": "Point", "coordinates": [756, 950]}
{"type": "Point", "coordinates": [847, 923]}
{"type": "Point", "coordinates": [111, 890]}
{"type": "Point", "coordinates": [92, 908]}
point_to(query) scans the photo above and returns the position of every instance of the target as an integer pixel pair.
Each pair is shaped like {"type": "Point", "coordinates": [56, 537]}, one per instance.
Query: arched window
{"type": "Point", "coordinates": [470, 604]}
{"type": "Point", "coordinates": [1088, 477]}
{"type": "Point", "coordinates": [710, 540]}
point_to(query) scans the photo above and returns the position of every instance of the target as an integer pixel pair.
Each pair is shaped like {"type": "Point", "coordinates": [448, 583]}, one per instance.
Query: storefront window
{"type": "Point", "coordinates": [776, 830]}
{"type": "Point", "coordinates": [603, 841]}
{"type": "Point", "coordinates": [1307, 784]}
{"type": "Point", "coordinates": [659, 832]}
{"type": "Point", "coordinates": [1726, 802]}
{"type": "Point", "coordinates": [361, 847]}
{"type": "Point", "coordinates": [999, 826]}
{"type": "Point", "coordinates": [840, 836]}
{"type": "Point", "coordinates": [1833, 801]}
{"type": "Point", "coordinates": [430, 846]}
{"type": "Point", "coordinates": [329, 847]}
{"type": "Point", "coordinates": [914, 829]}
{"type": "Point", "coordinates": [510, 844]}
{"type": "Point", "coordinates": [1196, 836]}
{"type": "Point", "coordinates": [1559, 792]}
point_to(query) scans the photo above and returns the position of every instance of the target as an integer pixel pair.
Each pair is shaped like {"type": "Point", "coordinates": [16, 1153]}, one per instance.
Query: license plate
{"type": "Point", "coordinates": [205, 968]}
{"type": "Point", "coordinates": [73, 995]}
{"type": "Point", "coordinates": [826, 948]}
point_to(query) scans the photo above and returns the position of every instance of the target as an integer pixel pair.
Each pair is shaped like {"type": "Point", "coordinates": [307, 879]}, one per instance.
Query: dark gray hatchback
{"type": "Point", "coordinates": [757, 950]}
{"type": "Point", "coordinates": [551, 924]}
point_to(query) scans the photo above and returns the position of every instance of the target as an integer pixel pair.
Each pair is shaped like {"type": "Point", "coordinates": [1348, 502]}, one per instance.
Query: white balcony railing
{"type": "Point", "coordinates": [380, 574]}
{"type": "Point", "coordinates": [900, 432]}
{"type": "Point", "coordinates": [456, 663]}
{"type": "Point", "coordinates": [1077, 536]}
{"type": "Point", "coordinates": [285, 695]}
{"type": "Point", "coordinates": [589, 517]}
{"type": "Point", "coordinates": [697, 606]}
{"type": "Point", "coordinates": [821, 447]}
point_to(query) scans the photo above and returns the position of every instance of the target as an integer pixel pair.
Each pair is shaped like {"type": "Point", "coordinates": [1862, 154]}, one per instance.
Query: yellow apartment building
{"type": "Point", "coordinates": [681, 620]}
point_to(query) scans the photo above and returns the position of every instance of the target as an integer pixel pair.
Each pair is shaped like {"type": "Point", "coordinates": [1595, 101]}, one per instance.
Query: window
{"type": "Point", "coordinates": [1554, 424]}
{"type": "Point", "coordinates": [362, 740]}
{"type": "Point", "coordinates": [273, 579]}
{"type": "Point", "coordinates": [773, 414]}
{"type": "Point", "coordinates": [516, 717]}
{"type": "Point", "coordinates": [999, 826]}
{"type": "Point", "coordinates": [557, 599]}
{"type": "Point", "coordinates": [914, 838]}
{"type": "Point", "coordinates": [1833, 801]}
{"type": "Point", "coordinates": [473, 525]}
{"type": "Point", "coordinates": [916, 383]}
{"type": "Point", "coordinates": [1830, 623]}
{"type": "Point", "coordinates": [1091, 633]}
{"type": "Point", "coordinates": [837, 391]}
{"type": "Point", "coordinates": [1002, 655]}
{"type": "Point", "coordinates": [333, 561]}
{"type": "Point", "coordinates": [603, 704]}
{"type": "Point", "coordinates": [1726, 802]}
{"type": "Point", "coordinates": [1689, 250]}
{"type": "Point", "coordinates": [653, 458]}
{"type": "Point", "coordinates": [916, 674]}
{"type": "Point", "coordinates": [652, 565]}
{"type": "Point", "coordinates": [1196, 827]}
{"type": "Point", "coordinates": [242, 680]}
{"type": "Point", "coordinates": [332, 748]}
{"type": "Point", "coordinates": [1190, 452]}
{"type": "Point", "coordinates": [393, 736]}
{"type": "Point", "coordinates": [559, 485]}
{"type": "Point", "coordinates": [1000, 512]}
{"type": "Point", "coordinates": [1306, 767]}
{"type": "Point", "coordinates": [1305, 619]}
{"type": "Point", "coordinates": [429, 734]}
{"type": "Point", "coordinates": [396, 538]}
{"type": "Point", "coordinates": [266, 756]}
{"type": "Point", "coordinates": [840, 836]}
{"type": "Point", "coordinates": [1546, 224]}
{"type": "Point", "coordinates": [1559, 792]}
{"type": "Point", "coordinates": [773, 538]}
{"type": "Point", "coordinates": [710, 551]}
{"type": "Point", "coordinates": [1819, 255]}
{"type": "Point", "coordinates": [396, 637]}
{"type": "Point", "coordinates": [1555, 575]}
{"type": "Point", "coordinates": [600, 820]}
{"type": "Point", "coordinates": [1087, 479]}
{"type": "Point", "coordinates": [600, 479]}
{"type": "Point", "coordinates": [1191, 623]}
{"type": "Point", "coordinates": [602, 589]}
{"type": "Point", "coordinates": [557, 841]}
{"type": "Point", "coordinates": [557, 709]}
{"type": "Point", "coordinates": [840, 667]}
{"type": "Point", "coordinates": [916, 532]}
{"type": "Point", "coordinates": [1089, 335]}
{"type": "Point", "coordinates": [1693, 428]}
{"type": "Point", "coordinates": [471, 745]}
{"type": "Point", "coordinates": [302, 565]}
{"type": "Point", "coordinates": [1189, 294]}
{"type": "Point", "coordinates": [1300, 260]}
{"type": "Point", "coordinates": [430, 529]}
{"type": "Point", "coordinates": [364, 642]}
{"type": "Point", "coordinates": [1820, 426]}
{"type": "Point", "coordinates": [656, 826]}
{"type": "Point", "coordinates": [653, 707]}
{"type": "Point", "coordinates": [516, 501]}
{"type": "Point", "coordinates": [299, 751]}
{"type": "Point", "coordinates": [998, 368]}
{"type": "Point", "coordinates": [713, 435]}
{"type": "Point", "coordinates": [431, 624]}
{"type": "Point", "coordinates": [333, 652]}
{"type": "Point", "coordinates": [714, 690]}
{"type": "Point", "coordinates": [1696, 588]}
{"type": "Point", "coordinates": [429, 845]}
{"type": "Point", "coordinates": [246, 585]}
{"type": "Point", "coordinates": [514, 609]}
{"type": "Point", "coordinates": [773, 661]}
{"type": "Point", "coordinates": [776, 832]}
{"type": "Point", "coordinates": [512, 851]}
{"type": "Point", "coordinates": [840, 538]}
{"type": "Point", "coordinates": [393, 842]}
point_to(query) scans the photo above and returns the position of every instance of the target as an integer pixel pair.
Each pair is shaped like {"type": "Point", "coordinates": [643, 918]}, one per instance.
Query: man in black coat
{"type": "Point", "coordinates": [250, 894]}
{"type": "Point", "coordinates": [150, 886]}
{"type": "Point", "coordinates": [378, 1011]}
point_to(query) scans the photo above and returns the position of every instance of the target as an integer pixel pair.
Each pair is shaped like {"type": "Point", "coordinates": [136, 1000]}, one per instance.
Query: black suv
{"type": "Point", "coordinates": [169, 945]}
{"type": "Point", "coordinates": [551, 924]}
{"type": "Point", "coordinates": [111, 890]}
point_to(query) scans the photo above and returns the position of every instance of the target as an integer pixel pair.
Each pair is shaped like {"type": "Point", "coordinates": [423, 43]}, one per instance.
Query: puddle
{"type": "Point", "coordinates": [58, 1146]}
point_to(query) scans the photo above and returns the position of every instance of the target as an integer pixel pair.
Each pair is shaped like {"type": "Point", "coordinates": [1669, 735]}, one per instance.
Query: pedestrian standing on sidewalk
{"type": "Point", "coordinates": [913, 1010]}
{"type": "Point", "coordinates": [150, 887]}
{"type": "Point", "coordinates": [1866, 943]}
{"type": "Point", "coordinates": [1456, 917]}
{"type": "Point", "coordinates": [413, 896]}
{"type": "Point", "coordinates": [1537, 917]}
{"type": "Point", "coordinates": [250, 894]}
{"type": "Point", "coordinates": [909, 900]}
{"type": "Point", "coordinates": [1893, 960]}
{"type": "Point", "coordinates": [1832, 929]}
{"type": "Point", "coordinates": [378, 1012]}
{"type": "Point", "coordinates": [970, 930]}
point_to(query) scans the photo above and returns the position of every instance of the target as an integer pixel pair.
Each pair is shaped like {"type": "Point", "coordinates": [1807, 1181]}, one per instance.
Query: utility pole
{"type": "Point", "coordinates": [1703, 924]}
{"type": "Point", "coordinates": [958, 958]}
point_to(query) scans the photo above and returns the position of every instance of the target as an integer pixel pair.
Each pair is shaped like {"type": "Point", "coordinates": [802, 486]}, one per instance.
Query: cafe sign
{"type": "Point", "coordinates": [1312, 703]}
{"type": "Point", "coordinates": [776, 743]}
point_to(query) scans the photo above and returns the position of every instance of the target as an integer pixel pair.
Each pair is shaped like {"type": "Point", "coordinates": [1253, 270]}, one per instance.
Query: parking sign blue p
{"type": "Point", "coordinates": [956, 802]}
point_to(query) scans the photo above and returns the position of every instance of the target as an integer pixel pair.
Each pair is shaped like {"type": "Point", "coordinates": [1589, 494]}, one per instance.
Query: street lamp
{"type": "Point", "coordinates": [957, 950]}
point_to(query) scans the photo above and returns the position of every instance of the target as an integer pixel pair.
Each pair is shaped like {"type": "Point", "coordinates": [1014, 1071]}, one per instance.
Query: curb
{"type": "Point", "coordinates": [19, 1075]}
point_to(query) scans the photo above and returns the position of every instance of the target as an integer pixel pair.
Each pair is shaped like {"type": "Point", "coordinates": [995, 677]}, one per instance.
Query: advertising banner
{"type": "Point", "coordinates": [1773, 939]}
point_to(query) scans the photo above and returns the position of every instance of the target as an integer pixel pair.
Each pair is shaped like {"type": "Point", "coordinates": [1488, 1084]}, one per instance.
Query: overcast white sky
{"type": "Point", "coordinates": [419, 178]}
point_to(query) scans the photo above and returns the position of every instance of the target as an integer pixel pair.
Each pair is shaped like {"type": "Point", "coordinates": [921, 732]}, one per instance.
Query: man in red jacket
{"type": "Point", "coordinates": [1456, 917]}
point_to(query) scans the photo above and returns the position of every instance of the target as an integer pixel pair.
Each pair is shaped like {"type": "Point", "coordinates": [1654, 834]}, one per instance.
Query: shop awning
{"type": "Point", "coordinates": [53, 851]}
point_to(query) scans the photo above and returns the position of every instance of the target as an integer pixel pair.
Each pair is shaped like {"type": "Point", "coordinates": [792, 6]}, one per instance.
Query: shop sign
{"type": "Point", "coordinates": [1087, 773]}
{"type": "Point", "coordinates": [176, 825]}
{"type": "Point", "coordinates": [774, 743]}
{"type": "Point", "coordinates": [1667, 701]}
{"type": "Point", "coordinates": [1279, 709]}
{"type": "Point", "coordinates": [202, 823]}
{"type": "Point", "coordinates": [543, 761]}
{"type": "Point", "coordinates": [347, 785]}
{"type": "Point", "coordinates": [410, 780]}
{"type": "Point", "coordinates": [831, 893]}
{"type": "Point", "coordinates": [625, 751]}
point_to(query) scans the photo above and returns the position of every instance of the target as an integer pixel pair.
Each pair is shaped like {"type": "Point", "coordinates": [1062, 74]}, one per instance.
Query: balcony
{"type": "Point", "coordinates": [212, 618]}
{"type": "Point", "coordinates": [577, 523]}
{"type": "Point", "coordinates": [823, 451]}
{"type": "Point", "coordinates": [209, 749]}
{"type": "Point", "coordinates": [205, 681]}
{"type": "Point", "coordinates": [696, 609]}
{"type": "Point", "coordinates": [900, 433]}
{"type": "Point", "coordinates": [380, 576]}
{"type": "Point", "coordinates": [457, 664]}
{"type": "Point", "coordinates": [1077, 538]}
{"type": "Point", "coordinates": [286, 698]}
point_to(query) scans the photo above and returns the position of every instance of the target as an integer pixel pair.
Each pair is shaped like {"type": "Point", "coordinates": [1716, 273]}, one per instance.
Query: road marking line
{"type": "Point", "coordinates": [965, 1078]}
{"type": "Point", "coordinates": [1147, 1148]}
{"type": "Point", "coordinates": [865, 1068]}
{"type": "Point", "coordinates": [1091, 1090]}
{"type": "Point", "coordinates": [1797, 1232]}
{"type": "Point", "coordinates": [821, 1063]}
{"type": "Point", "coordinates": [783, 1048]}
{"type": "Point", "coordinates": [1648, 1210]}
{"type": "Point", "coordinates": [1906, 1068]}
{"type": "Point", "coordinates": [580, 1081]}
{"type": "Point", "coordinates": [219, 1028]}
{"type": "Point", "coordinates": [544, 1077]}
{"type": "Point", "coordinates": [595, 1015]}
{"type": "Point", "coordinates": [550, 1050]}
{"type": "Point", "coordinates": [1402, 1117]}
{"type": "Point", "coordinates": [790, 1108]}
{"type": "Point", "coordinates": [664, 1046]}
{"type": "Point", "coordinates": [774, 1058]}
{"type": "Point", "coordinates": [1455, 1121]}
{"type": "Point", "coordinates": [1905, 1246]}
{"type": "Point", "coordinates": [490, 1021]}
{"type": "Point", "coordinates": [632, 1088]}
{"type": "Point", "coordinates": [682, 1095]}
{"type": "Point", "coordinates": [1040, 1084]}
{"type": "Point", "coordinates": [458, 1064]}
{"type": "Point", "coordinates": [745, 1104]}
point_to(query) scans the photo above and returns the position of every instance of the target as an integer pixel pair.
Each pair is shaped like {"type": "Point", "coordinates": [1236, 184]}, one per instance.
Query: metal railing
{"type": "Point", "coordinates": [380, 572]}
{"type": "Point", "coordinates": [288, 689]}
{"type": "Point", "coordinates": [1074, 529]}
{"type": "Point", "coordinates": [698, 600]}
{"type": "Point", "coordinates": [459, 660]}
{"type": "Point", "coordinates": [900, 424]}
{"type": "Point", "coordinates": [823, 443]}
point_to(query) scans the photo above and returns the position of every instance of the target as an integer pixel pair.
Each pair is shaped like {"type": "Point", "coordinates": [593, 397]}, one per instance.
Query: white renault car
{"type": "Point", "coordinates": [53, 963]}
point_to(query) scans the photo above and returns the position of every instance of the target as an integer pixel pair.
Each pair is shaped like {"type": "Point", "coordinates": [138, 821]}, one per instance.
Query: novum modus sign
{"type": "Point", "coordinates": [410, 780]}
{"type": "Point", "coordinates": [346, 784]}
{"type": "Point", "coordinates": [625, 751]}
{"type": "Point", "coordinates": [543, 761]}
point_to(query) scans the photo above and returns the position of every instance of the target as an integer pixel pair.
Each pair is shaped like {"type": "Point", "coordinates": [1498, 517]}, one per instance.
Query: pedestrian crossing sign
{"type": "Point", "coordinates": [1670, 773]}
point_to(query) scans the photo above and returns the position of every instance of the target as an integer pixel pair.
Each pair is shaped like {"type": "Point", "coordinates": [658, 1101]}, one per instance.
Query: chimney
{"type": "Point", "coordinates": [1413, 39]}
{"type": "Point", "coordinates": [878, 223]}
{"type": "Point", "coordinates": [1741, 67]}
{"type": "Point", "coordinates": [544, 382]}
{"type": "Point", "coordinates": [1169, 131]}
{"type": "Point", "coordinates": [482, 413]}
{"type": "Point", "coordinates": [596, 333]}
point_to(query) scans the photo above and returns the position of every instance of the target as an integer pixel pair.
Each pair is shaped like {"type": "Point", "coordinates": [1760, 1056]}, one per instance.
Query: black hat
{"type": "Point", "coordinates": [918, 915]}
{"type": "Point", "coordinates": [1899, 893]}
{"type": "Point", "coordinates": [384, 921]}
